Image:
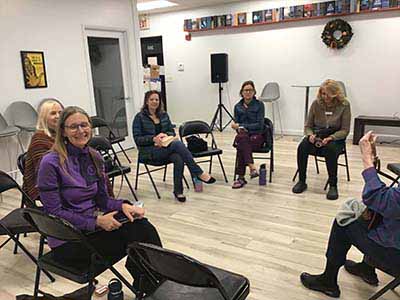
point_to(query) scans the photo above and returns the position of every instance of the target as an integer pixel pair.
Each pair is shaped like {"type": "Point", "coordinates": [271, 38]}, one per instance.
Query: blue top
{"type": "Point", "coordinates": [252, 117]}
{"type": "Point", "coordinates": [385, 201]}
{"type": "Point", "coordinates": [74, 195]}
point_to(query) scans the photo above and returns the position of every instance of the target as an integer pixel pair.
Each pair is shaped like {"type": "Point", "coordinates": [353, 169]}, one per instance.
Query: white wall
{"type": "Point", "coordinates": [56, 27]}
{"type": "Point", "coordinates": [290, 53]}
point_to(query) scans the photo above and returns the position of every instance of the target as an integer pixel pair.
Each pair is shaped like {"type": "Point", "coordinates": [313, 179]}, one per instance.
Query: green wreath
{"type": "Point", "coordinates": [337, 33]}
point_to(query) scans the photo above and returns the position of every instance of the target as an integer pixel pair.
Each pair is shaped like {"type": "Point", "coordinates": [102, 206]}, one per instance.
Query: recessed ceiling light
{"type": "Point", "coordinates": [154, 4]}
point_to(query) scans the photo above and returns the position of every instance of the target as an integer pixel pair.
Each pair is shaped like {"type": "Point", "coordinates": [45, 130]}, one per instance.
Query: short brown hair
{"type": "Point", "coordinates": [248, 82]}
{"type": "Point", "coordinates": [145, 107]}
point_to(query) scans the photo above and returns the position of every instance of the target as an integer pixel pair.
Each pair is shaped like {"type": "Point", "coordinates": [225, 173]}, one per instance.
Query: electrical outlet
{"type": "Point", "coordinates": [181, 67]}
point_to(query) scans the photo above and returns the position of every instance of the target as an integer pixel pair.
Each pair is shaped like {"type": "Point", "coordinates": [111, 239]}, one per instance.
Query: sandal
{"type": "Point", "coordinates": [239, 183]}
{"type": "Point", "coordinates": [254, 174]}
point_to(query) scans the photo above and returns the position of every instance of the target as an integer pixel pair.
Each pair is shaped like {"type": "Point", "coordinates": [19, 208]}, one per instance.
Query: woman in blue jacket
{"type": "Point", "coordinates": [249, 124]}
{"type": "Point", "coordinates": [150, 126]}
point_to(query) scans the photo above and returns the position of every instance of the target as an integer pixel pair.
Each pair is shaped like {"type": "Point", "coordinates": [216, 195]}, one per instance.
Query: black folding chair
{"type": "Point", "coordinates": [52, 226]}
{"type": "Point", "coordinates": [391, 285]}
{"type": "Point", "coordinates": [317, 159]}
{"type": "Point", "coordinates": [100, 123]}
{"type": "Point", "coordinates": [393, 167]}
{"type": "Point", "coordinates": [267, 148]}
{"type": "Point", "coordinates": [159, 166]}
{"type": "Point", "coordinates": [202, 128]}
{"type": "Point", "coordinates": [113, 166]}
{"type": "Point", "coordinates": [13, 224]}
{"type": "Point", "coordinates": [21, 162]}
{"type": "Point", "coordinates": [176, 276]}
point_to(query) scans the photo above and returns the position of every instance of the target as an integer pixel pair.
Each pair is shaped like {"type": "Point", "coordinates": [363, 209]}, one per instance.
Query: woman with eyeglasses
{"type": "Point", "coordinates": [249, 125]}
{"type": "Point", "coordinates": [72, 186]}
{"type": "Point", "coordinates": [150, 126]}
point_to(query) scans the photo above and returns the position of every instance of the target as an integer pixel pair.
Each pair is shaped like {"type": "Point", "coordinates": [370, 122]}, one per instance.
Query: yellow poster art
{"type": "Point", "coordinates": [34, 69]}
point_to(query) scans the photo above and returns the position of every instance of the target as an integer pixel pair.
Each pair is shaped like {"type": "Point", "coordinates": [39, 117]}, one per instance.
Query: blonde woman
{"type": "Point", "coordinates": [326, 129]}
{"type": "Point", "coordinates": [43, 139]}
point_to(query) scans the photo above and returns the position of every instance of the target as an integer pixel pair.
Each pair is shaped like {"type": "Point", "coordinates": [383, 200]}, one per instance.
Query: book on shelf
{"type": "Point", "coordinates": [214, 21]}
{"type": "Point", "coordinates": [308, 10]}
{"type": "Point", "coordinates": [187, 25]}
{"type": "Point", "coordinates": [268, 15]}
{"type": "Point", "coordinates": [288, 12]}
{"type": "Point", "coordinates": [258, 16]}
{"type": "Point", "coordinates": [221, 21]}
{"type": "Point", "coordinates": [281, 13]}
{"type": "Point", "coordinates": [195, 24]}
{"type": "Point", "coordinates": [241, 18]}
{"type": "Point", "coordinates": [321, 9]}
{"type": "Point", "coordinates": [343, 6]}
{"type": "Point", "coordinates": [385, 3]}
{"type": "Point", "coordinates": [394, 3]}
{"type": "Point", "coordinates": [299, 11]}
{"type": "Point", "coordinates": [229, 20]}
{"type": "Point", "coordinates": [330, 8]}
{"type": "Point", "coordinates": [376, 4]}
{"type": "Point", "coordinates": [203, 23]}
{"type": "Point", "coordinates": [365, 5]}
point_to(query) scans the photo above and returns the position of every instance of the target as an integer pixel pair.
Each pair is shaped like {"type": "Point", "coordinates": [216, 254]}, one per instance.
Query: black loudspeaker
{"type": "Point", "coordinates": [219, 67]}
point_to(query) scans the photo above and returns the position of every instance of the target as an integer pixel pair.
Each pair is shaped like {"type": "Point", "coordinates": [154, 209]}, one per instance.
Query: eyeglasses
{"type": "Point", "coordinates": [248, 90]}
{"type": "Point", "coordinates": [75, 127]}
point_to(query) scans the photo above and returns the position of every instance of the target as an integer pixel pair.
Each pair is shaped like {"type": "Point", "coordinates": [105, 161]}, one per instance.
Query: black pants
{"type": "Point", "coordinates": [110, 244]}
{"type": "Point", "coordinates": [331, 153]}
{"type": "Point", "coordinates": [356, 234]}
{"type": "Point", "coordinates": [179, 155]}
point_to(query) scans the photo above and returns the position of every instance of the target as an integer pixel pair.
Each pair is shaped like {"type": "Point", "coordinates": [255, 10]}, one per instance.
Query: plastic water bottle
{"type": "Point", "coordinates": [198, 185]}
{"type": "Point", "coordinates": [262, 179]}
{"type": "Point", "coordinates": [115, 290]}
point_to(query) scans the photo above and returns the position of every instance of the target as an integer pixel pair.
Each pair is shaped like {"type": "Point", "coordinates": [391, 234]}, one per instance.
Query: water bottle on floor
{"type": "Point", "coordinates": [262, 179]}
{"type": "Point", "coordinates": [115, 290]}
{"type": "Point", "coordinates": [198, 185]}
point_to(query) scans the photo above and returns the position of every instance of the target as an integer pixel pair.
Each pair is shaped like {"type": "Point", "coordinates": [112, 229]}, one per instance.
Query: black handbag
{"type": "Point", "coordinates": [196, 144]}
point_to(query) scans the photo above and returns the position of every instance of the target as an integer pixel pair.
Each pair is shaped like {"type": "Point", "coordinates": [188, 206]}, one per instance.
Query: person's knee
{"type": "Point", "coordinates": [176, 159]}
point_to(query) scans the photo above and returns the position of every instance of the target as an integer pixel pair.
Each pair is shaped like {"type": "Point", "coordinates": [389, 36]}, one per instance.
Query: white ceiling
{"type": "Point", "coordinates": [186, 4]}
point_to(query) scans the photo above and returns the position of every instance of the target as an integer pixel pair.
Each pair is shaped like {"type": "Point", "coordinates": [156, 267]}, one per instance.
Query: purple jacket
{"type": "Point", "coordinates": [385, 201]}
{"type": "Point", "coordinates": [74, 195]}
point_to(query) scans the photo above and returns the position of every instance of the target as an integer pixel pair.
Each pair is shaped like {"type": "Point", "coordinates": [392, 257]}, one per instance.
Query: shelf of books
{"type": "Point", "coordinates": [291, 14]}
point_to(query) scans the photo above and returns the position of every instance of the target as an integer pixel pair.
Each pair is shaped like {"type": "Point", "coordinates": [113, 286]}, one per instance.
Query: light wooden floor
{"type": "Point", "coordinates": [268, 234]}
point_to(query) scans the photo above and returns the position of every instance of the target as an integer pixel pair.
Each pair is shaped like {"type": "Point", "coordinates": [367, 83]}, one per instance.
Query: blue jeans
{"type": "Point", "coordinates": [179, 155]}
{"type": "Point", "coordinates": [356, 234]}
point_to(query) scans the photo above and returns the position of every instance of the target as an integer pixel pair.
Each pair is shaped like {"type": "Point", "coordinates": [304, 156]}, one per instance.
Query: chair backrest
{"type": "Point", "coordinates": [98, 122]}
{"type": "Point", "coordinates": [21, 162]}
{"type": "Point", "coordinates": [52, 226]}
{"type": "Point", "coordinates": [194, 127]}
{"type": "Point", "coordinates": [175, 266]}
{"type": "Point", "coordinates": [343, 87]}
{"type": "Point", "coordinates": [21, 113]}
{"type": "Point", "coordinates": [270, 92]}
{"type": "Point", "coordinates": [100, 143]}
{"type": "Point", "coordinates": [7, 183]}
{"type": "Point", "coordinates": [3, 123]}
{"type": "Point", "coordinates": [268, 134]}
{"type": "Point", "coordinates": [104, 147]}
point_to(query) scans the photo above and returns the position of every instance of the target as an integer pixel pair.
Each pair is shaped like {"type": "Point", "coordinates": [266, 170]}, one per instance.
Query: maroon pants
{"type": "Point", "coordinates": [245, 145]}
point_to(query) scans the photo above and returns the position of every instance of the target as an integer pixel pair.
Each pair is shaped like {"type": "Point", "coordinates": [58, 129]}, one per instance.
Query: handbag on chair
{"type": "Point", "coordinates": [196, 144]}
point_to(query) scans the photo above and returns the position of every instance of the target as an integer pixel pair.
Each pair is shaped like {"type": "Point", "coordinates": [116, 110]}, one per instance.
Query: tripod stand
{"type": "Point", "coordinates": [218, 112]}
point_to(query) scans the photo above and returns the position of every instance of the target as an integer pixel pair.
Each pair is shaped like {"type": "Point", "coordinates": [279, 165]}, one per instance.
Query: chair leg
{"type": "Point", "coordinates": [124, 152]}
{"type": "Point", "coordinates": [187, 184]}
{"type": "Point", "coordinates": [210, 166]}
{"type": "Point", "coordinates": [130, 187]}
{"type": "Point", "coordinates": [37, 277]}
{"type": "Point", "coordinates": [152, 181]}
{"type": "Point", "coordinates": [326, 184]}
{"type": "Point", "coordinates": [280, 119]}
{"type": "Point", "coordinates": [271, 165]}
{"type": "Point", "coordinates": [391, 285]}
{"type": "Point", "coordinates": [222, 168]}
{"type": "Point", "coordinates": [316, 163]}
{"type": "Point", "coordinates": [235, 167]}
{"type": "Point", "coordinates": [165, 172]}
{"type": "Point", "coordinates": [393, 183]}
{"type": "Point", "coordinates": [5, 242]}
{"type": "Point", "coordinates": [295, 175]}
{"type": "Point", "coordinates": [137, 175]}
{"type": "Point", "coordinates": [16, 245]}
{"type": "Point", "coordinates": [347, 166]}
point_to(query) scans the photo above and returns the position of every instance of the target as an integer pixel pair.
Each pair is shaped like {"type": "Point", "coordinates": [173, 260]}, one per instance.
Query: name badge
{"type": "Point", "coordinates": [328, 113]}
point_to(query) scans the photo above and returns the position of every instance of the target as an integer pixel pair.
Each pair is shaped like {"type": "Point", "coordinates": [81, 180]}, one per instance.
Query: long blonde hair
{"type": "Point", "coordinates": [44, 109]}
{"type": "Point", "coordinates": [334, 89]}
{"type": "Point", "coordinates": [60, 143]}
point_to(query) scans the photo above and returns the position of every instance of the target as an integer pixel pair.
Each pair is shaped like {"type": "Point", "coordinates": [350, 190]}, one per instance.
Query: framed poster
{"type": "Point", "coordinates": [34, 69]}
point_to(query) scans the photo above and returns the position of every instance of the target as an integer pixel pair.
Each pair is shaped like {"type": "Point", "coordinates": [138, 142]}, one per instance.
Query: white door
{"type": "Point", "coordinates": [108, 73]}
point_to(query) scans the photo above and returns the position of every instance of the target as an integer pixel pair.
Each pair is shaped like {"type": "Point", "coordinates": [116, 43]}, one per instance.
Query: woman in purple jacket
{"type": "Point", "coordinates": [71, 182]}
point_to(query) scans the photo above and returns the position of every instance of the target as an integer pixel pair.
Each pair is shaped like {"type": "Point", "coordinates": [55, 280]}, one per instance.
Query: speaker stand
{"type": "Point", "coordinates": [218, 112]}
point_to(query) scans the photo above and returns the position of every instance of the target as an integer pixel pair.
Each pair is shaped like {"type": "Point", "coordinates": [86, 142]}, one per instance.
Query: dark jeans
{"type": "Point", "coordinates": [356, 234]}
{"type": "Point", "coordinates": [110, 244]}
{"type": "Point", "coordinates": [179, 155]}
{"type": "Point", "coordinates": [245, 145]}
{"type": "Point", "coordinates": [331, 153]}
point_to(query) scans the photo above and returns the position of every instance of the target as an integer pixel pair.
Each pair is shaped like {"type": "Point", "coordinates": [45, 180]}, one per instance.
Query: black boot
{"type": "Point", "coordinates": [362, 270]}
{"type": "Point", "coordinates": [332, 193]}
{"type": "Point", "coordinates": [299, 187]}
{"type": "Point", "coordinates": [320, 283]}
